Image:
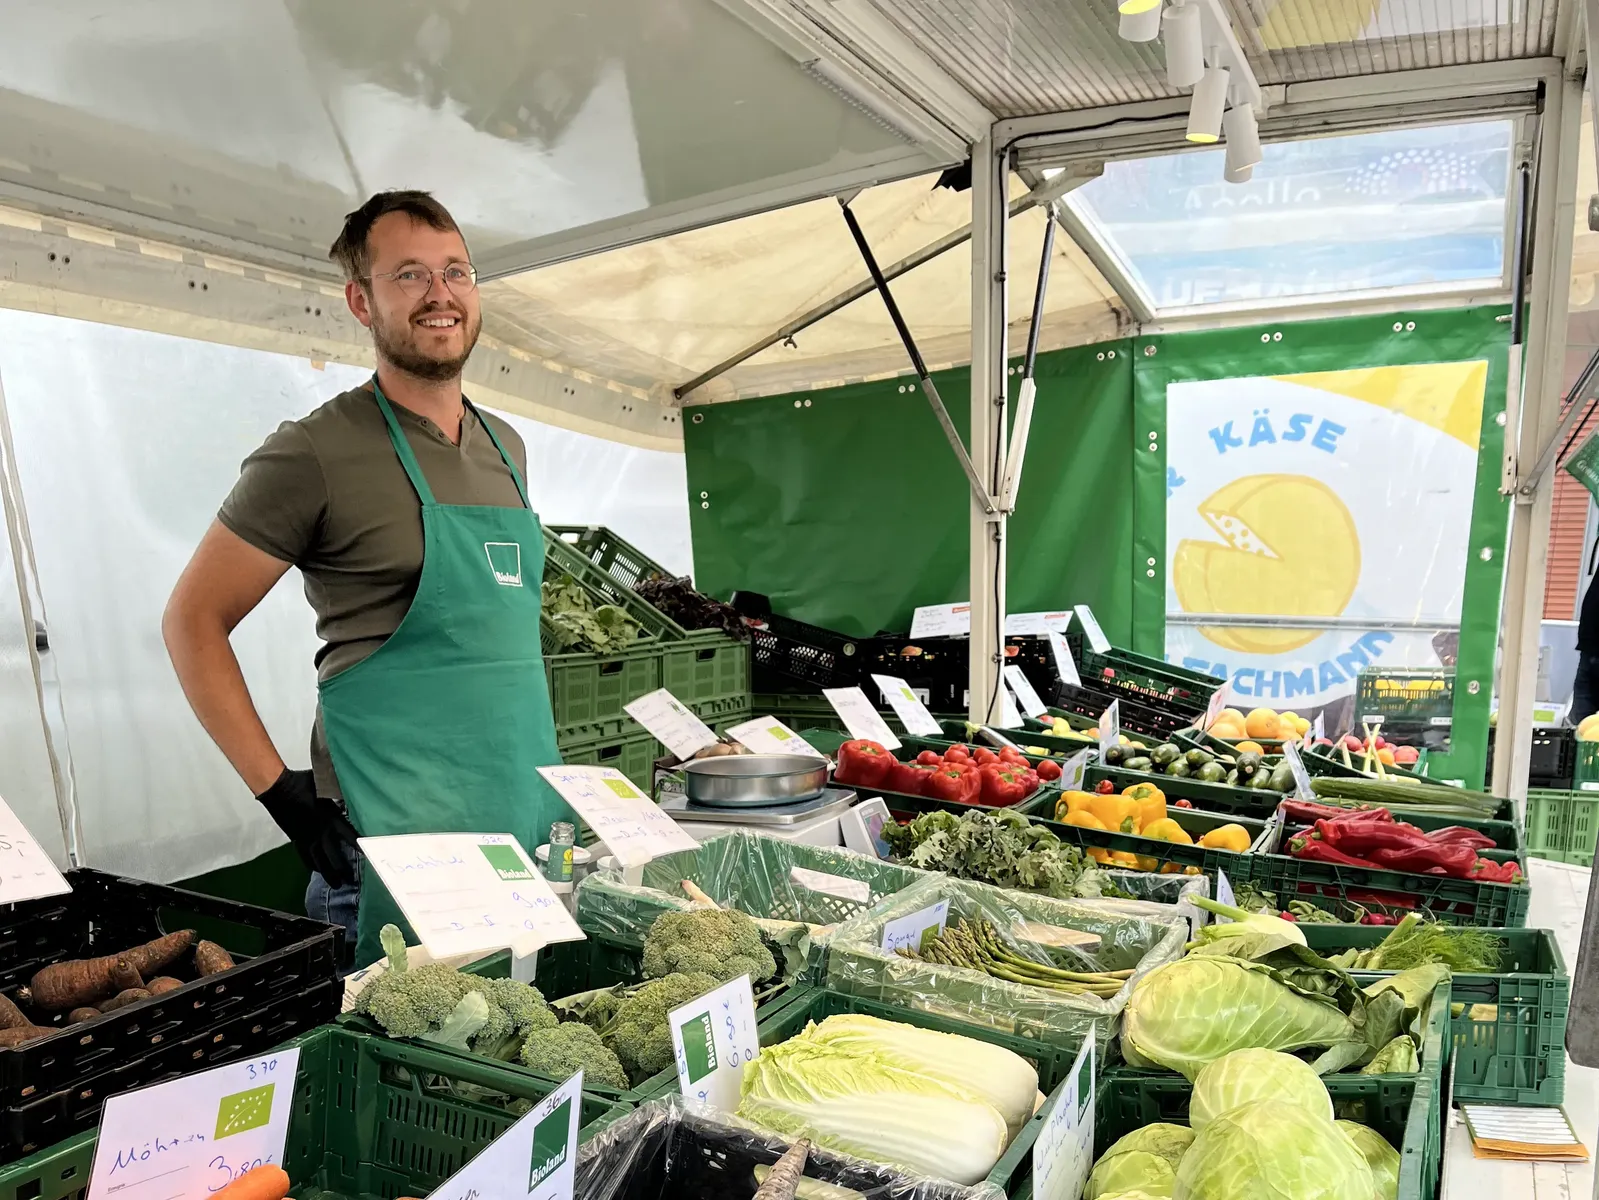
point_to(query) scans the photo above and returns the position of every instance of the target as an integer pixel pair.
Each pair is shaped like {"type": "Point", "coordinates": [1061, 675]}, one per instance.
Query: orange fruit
{"type": "Point", "coordinates": [1255, 746]}
{"type": "Point", "coordinates": [1262, 723]}
{"type": "Point", "coordinates": [1227, 729]}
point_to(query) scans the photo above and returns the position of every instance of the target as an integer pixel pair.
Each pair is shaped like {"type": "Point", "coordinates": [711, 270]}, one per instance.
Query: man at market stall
{"type": "Point", "coordinates": [405, 509]}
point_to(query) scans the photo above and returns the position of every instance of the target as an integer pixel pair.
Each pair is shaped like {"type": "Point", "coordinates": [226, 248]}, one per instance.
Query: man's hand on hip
{"type": "Point", "coordinates": [320, 832]}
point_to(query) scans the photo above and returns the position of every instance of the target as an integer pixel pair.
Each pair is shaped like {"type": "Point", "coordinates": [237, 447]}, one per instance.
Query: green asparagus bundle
{"type": "Point", "coordinates": [978, 946]}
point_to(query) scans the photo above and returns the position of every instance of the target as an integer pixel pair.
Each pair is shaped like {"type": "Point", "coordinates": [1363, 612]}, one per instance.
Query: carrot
{"type": "Point", "coordinates": [69, 985]}
{"type": "Point", "coordinates": [78, 1015]}
{"type": "Point", "coordinates": [211, 959]}
{"type": "Point", "coordinates": [162, 984]}
{"type": "Point", "coordinates": [124, 998]}
{"type": "Point", "coordinates": [266, 1182]}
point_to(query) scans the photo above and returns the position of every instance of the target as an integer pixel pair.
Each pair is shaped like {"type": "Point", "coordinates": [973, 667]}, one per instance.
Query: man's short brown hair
{"type": "Point", "coordinates": [350, 248]}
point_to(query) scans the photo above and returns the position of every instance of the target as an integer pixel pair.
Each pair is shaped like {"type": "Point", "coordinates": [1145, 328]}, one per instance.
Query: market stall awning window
{"type": "Point", "coordinates": [1403, 211]}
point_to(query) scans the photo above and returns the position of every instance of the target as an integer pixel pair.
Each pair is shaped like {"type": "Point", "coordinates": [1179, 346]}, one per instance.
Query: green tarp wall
{"type": "Point", "coordinates": [847, 508]}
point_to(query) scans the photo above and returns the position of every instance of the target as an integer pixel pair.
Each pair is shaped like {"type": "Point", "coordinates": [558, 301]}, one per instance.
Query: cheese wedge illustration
{"type": "Point", "coordinates": [1288, 548]}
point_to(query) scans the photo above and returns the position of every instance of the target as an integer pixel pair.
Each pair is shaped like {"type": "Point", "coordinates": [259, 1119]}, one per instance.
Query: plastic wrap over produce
{"type": "Point", "coordinates": [663, 1148]}
{"type": "Point", "coordinates": [1090, 957]}
{"type": "Point", "coordinates": [1156, 897]}
{"type": "Point", "coordinates": [763, 876]}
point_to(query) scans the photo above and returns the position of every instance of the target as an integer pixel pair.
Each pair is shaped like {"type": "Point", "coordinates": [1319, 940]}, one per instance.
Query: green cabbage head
{"type": "Point", "coordinates": [1271, 1151]}
{"type": "Point", "coordinates": [1382, 1158]}
{"type": "Point", "coordinates": [1145, 1161]}
{"type": "Point", "coordinates": [1189, 1013]}
{"type": "Point", "coordinates": [1245, 1076]}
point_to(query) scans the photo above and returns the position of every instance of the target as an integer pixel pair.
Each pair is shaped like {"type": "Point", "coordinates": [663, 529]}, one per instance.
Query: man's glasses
{"type": "Point", "coordinates": [415, 280]}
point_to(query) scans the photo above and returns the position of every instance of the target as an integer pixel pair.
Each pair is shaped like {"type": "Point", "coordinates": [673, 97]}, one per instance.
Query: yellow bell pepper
{"type": "Point", "coordinates": [1147, 864]}
{"type": "Point", "coordinates": [1071, 802]}
{"type": "Point", "coordinates": [1167, 830]}
{"type": "Point", "coordinates": [1084, 819]}
{"type": "Point", "coordinates": [1122, 858]}
{"type": "Point", "coordinates": [1116, 813]}
{"type": "Point", "coordinates": [1227, 837]}
{"type": "Point", "coordinates": [1100, 855]}
{"type": "Point", "coordinates": [1151, 802]}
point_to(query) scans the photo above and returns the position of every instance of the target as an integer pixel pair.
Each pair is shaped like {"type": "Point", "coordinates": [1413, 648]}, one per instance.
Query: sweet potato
{"type": "Point", "coordinates": [68, 985]}
{"type": "Point", "coordinates": [124, 975]}
{"type": "Point", "coordinates": [11, 1017]}
{"type": "Point", "coordinates": [78, 1015]}
{"type": "Point", "coordinates": [266, 1182]}
{"type": "Point", "coordinates": [18, 1034]}
{"type": "Point", "coordinates": [211, 959]}
{"type": "Point", "coordinates": [123, 999]}
{"type": "Point", "coordinates": [162, 984]}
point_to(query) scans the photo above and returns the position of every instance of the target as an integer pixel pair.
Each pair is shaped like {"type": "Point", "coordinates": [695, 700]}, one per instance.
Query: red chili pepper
{"type": "Point", "coordinates": [1367, 833]}
{"type": "Point", "coordinates": [1048, 770]}
{"type": "Point", "coordinates": [1316, 850]}
{"type": "Point", "coordinates": [1105, 787]}
{"type": "Point", "coordinates": [1456, 859]}
{"type": "Point", "coordinates": [1308, 813]}
{"type": "Point", "coordinates": [1459, 833]}
{"type": "Point", "coordinates": [954, 781]}
{"type": "Point", "coordinates": [929, 758]}
{"type": "Point", "coordinates": [863, 763]}
{"type": "Point", "coordinates": [1004, 784]}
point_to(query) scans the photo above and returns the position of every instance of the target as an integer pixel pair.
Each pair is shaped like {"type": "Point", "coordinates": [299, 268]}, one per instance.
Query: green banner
{"type": "Point", "coordinates": [1583, 466]}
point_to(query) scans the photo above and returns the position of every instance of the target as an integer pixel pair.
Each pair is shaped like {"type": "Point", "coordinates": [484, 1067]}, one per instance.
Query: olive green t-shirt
{"type": "Point", "coordinates": [327, 493]}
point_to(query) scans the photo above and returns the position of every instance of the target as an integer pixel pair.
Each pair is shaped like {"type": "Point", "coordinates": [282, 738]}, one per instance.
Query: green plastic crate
{"type": "Point", "coordinates": [1563, 826]}
{"type": "Point", "coordinates": [588, 691]}
{"type": "Point", "coordinates": [801, 711]}
{"type": "Point", "coordinates": [1508, 1029]}
{"type": "Point", "coordinates": [707, 667]}
{"type": "Point", "coordinates": [1401, 1108]}
{"type": "Point", "coordinates": [1217, 797]}
{"type": "Point", "coordinates": [371, 1117]}
{"type": "Point", "coordinates": [630, 748]}
{"type": "Point", "coordinates": [1406, 695]}
{"type": "Point", "coordinates": [618, 558]}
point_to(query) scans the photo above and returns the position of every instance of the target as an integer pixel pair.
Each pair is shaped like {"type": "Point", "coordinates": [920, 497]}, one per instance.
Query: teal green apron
{"type": "Point", "coordinates": [442, 728]}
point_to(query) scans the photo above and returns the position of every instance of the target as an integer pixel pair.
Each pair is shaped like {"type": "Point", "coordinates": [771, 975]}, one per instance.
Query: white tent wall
{"type": "Point", "coordinates": [126, 441]}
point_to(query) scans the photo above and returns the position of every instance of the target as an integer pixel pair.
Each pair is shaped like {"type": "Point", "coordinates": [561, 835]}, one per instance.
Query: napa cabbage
{"type": "Point", "coordinates": [1245, 1076]}
{"type": "Point", "coordinates": [1273, 1151]}
{"type": "Point", "coordinates": [864, 1105]}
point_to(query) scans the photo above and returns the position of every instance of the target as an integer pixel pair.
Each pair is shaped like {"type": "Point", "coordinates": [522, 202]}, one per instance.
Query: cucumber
{"type": "Point", "coordinates": [1198, 758]}
{"type": "Point", "coordinates": [1140, 763]}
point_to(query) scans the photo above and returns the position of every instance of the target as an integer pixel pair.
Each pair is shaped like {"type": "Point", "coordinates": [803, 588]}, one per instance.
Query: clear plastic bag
{"type": "Point", "coordinates": [763, 876]}
{"type": "Point", "coordinates": [1158, 897]}
{"type": "Point", "coordinates": [664, 1148]}
{"type": "Point", "coordinates": [1082, 935]}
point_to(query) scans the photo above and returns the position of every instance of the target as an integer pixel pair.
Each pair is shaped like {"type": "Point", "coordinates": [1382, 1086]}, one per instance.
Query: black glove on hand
{"type": "Point", "coordinates": [319, 831]}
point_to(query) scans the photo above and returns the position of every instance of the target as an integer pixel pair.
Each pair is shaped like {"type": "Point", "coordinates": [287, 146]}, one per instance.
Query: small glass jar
{"type": "Point", "coordinates": [558, 863]}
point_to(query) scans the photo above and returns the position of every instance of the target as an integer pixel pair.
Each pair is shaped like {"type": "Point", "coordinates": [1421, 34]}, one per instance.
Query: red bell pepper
{"type": "Point", "coordinates": [906, 778]}
{"type": "Point", "coordinates": [1362, 834]}
{"type": "Point", "coordinates": [929, 758]}
{"type": "Point", "coordinates": [1049, 770]}
{"type": "Point", "coordinates": [960, 782]}
{"type": "Point", "coordinates": [1456, 859]}
{"type": "Point", "coordinates": [958, 754]}
{"type": "Point", "coordinates": [1012, 755]}
{"type": "Point", "coordinates": [1004, 784]}
{"type": "Point", "coordinates": [1489, 871]}
{"type": "Point", "coordinates": [1316, 850]}
{"type": "Point", "coordinates": [1459, 833]}
{"type": "Point", "coordinates": [863, 763]}
{"type": "Point", "coordinates": [982, 756]}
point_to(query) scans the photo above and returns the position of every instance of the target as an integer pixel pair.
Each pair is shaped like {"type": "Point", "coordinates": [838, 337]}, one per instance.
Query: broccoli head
{"type": "Point", "coordinates": [559, 1051]}
{"type": "Point", "coordinates": [413, 1002]}
{"type": "Point", "coordinates": [516, 1009]}
{"type": "Point", "coordinates": [718, 941]}
{"type": "Point", "coordinates": [640, 1035]}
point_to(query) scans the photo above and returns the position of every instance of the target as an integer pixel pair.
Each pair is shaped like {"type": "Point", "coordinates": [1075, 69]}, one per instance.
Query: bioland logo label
{"type": "Point", "coordinates": [505, 560]}
{"type": "Point", "coordinates": [550, 1138]}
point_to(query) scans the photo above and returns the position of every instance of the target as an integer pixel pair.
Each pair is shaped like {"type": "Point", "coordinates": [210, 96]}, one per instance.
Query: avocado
{"type": "Point", "coordinates": [1211, 772]}
{"type": "Point", "coordinates": [1282, 778]}
{"type": "Point", "coordinates": [1114, 756]}
{"type": "Point", "coordinates": [1198, 758]}
{"type": "Point", "coordinates": [1179, 769]}
{"type": "Point", "coordinates": [1166, 752]}
{"type": "Point", "coordinates": [1141, 763]}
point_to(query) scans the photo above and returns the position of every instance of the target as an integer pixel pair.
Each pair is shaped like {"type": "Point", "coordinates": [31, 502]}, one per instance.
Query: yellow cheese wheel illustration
{"type": "Point", "coordinates": [1289, 548]}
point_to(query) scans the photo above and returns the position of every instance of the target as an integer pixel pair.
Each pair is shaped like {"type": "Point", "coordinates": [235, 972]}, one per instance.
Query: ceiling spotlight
{"type": "Point", "coordinates": [1209, 103]}
{"type": "Point", "coordinates": [1241, 175]}
{"type": "Point", "coordinates": [1126, 7]}
{"type": "Point", "coordinates": [1185, 45]}
{"type": "Point", "coordinates": [1243, 138]}
{"type": "Point", "coordinates": [1140, 26]}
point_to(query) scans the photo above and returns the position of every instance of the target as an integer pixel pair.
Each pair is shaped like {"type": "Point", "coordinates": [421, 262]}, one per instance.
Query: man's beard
{"type": "Point", "coordinates": [399, 348]}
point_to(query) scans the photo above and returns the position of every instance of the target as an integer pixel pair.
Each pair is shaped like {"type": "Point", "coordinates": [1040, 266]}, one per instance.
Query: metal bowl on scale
{"type": "Point", "coordinates": [754, 780]}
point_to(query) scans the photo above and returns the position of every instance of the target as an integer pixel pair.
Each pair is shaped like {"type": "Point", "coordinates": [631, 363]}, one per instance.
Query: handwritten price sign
{"type": "Point", "coordinates": [630, 824]}
{"type": "Point", "coordinates": [26, 872]}
{"type": "Point", "coordinates": [470, 893]}
{"type": "Point", "coordinates": [713, 1038]}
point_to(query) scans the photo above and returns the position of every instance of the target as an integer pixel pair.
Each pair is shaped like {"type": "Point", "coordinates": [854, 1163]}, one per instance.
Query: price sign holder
{"type": "Point", "coordinates": [1065, 664]}
{"type": "Point", "coordinates": [1097, 640]}
{"type": "Point", "coordinates": [1296, 764]}
{"type": "Point", "coordinates": [26, 872]}
{"type": "Point", "coordinates": [1024, 691]}
{"type": "Point", "coordinates": [1064, 1151]}
{"type": "Point", "coordinates": [942, 620]}
{"type": "Point", "coordinates": [1224, 893]}
{"type": "Point", "coordinates": [1071, 775]}
{"type": "Point", "coordinates": [1318, 728]}
{"type": "Point", "coordinates": [911, 712]}
{"type": "Point", "coordinates": [631, 825]}
{"type": "Point", "coordinates": [670, 722]}
{"type": "Point", "coordinates": [194, 1135]}
{"type": "Point", "coordinates": [713, 1038]}
{"type": "Point", "coordinates": [1110, 726]}
{"type": "Point", "coordinates": [1218, 701]}
{"type": "Point", "coordinates": [768, 735]}
{"type": "Point", "coordinates": [471, 893]}
{"type": "Point", "coordinates": [538, 1154]}
{"type": "Point", "coordinates": [911, 931]}
{"type": "Point", "coordinates": [861, 717]}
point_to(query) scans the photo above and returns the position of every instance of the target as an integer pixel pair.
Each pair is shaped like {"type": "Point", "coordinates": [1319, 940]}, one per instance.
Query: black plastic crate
{"type": "Point", "coordinates": [286, 981]}
{"type": "Point", "coordinates": [791, 656]}
{"type": "Point", "coordinates": [940, 668]}
{"type": "Point", "coordinates": [1135, 715]}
